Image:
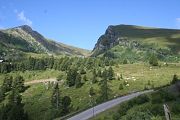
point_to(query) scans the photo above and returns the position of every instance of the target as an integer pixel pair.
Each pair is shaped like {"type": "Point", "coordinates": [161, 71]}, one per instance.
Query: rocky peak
{"type": "Point", "coordinates": [25, 28]}
{"type": "Point", "coordinates": [106, 41]}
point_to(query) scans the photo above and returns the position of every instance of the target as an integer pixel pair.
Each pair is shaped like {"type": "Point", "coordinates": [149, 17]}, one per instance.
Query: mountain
{"type": "Point", "coordinates": [138, 38]}
{"type": "Point", "coordinates": [23, 39]}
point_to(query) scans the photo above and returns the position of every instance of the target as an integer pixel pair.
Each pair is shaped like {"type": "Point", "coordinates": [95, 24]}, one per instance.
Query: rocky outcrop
{"type": "Point", "coordinates": [132, 36]}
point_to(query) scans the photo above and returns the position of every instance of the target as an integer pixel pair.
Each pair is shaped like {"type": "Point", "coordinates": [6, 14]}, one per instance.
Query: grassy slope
{"type": "Point", "coordinates": [37, 97]}
{"type": "Point", "coordinates": [156, 38]}
{"type": "Point", "coordinates": [164, 38]}
{"type": "Point", "coordinates": [21, 41]}
{"type": "Point", "coordinates": [108, 114]}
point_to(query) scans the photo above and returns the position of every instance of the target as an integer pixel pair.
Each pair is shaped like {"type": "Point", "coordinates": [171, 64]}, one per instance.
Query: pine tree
{"type": "Point", "coordinates": [16, 111]}
{"type": "Point", "coordinates": [2, 94]}
{"type": "Point", "coordinates": [85, 78]}
{"type": "Point", "coordinates": [104, 87]}
{"type": "Point", "coordinates": [78, 81]}
{"type": "Point", "coordinates": [121, 86]}
{"type": "Point", "coordinates": [153, 60]}
{"type": "Point", "coordinates": [175, 79]}
{"type": "Point", "coordinates": [110, 73]}
{"type": "Point", "coordinates": [71, 76]}
{"type": "Point", "coordinates": [56, 98]}
{"type": "Point", "coordinates": [94, 79]}
{"type": "Point", "coordinates": [66, 102]}
{"type": "Point", "coordinates": [82, 71]}
{"type": "Point", "coordinates": [59, 77]}
{"type": "Point", "coordinates": [18, 83]}
{"type": "Point", "coordinates": [91, 91]}
{"type": "Point", "coordinates": [7, 83]}
{"type": "Point", "coordinates": [99, 73]}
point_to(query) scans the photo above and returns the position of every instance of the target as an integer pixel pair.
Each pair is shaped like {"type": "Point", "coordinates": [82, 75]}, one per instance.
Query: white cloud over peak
{"type": "Point", "coordinates": [21, 16]}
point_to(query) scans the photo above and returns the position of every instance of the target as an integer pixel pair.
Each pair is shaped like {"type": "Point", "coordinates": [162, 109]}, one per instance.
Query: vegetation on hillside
{"type": "Point", "coordinates": [146, 107]}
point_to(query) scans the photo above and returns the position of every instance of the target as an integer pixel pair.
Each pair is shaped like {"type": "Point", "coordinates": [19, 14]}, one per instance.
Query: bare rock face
{"type": "Point", "coordinates": [106, 41]}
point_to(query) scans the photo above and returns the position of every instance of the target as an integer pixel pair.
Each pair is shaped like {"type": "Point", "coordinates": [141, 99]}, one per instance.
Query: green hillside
{"type": "Point", "coordinates": [22, 40]}
{"type": "Point", "coordinates": [147, 107]}
{"type": "Point", "coordinates": [163, 42]}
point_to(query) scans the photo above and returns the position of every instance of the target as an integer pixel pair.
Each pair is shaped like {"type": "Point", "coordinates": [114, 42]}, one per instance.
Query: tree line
{"type": "Point", "coordinates": [62, 64]}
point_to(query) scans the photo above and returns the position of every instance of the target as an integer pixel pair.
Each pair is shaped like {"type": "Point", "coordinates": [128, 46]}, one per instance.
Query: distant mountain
{"type": "Point", "coordinates": [23, 39]}
{"type": "Point", "coordinates": [138, 38]}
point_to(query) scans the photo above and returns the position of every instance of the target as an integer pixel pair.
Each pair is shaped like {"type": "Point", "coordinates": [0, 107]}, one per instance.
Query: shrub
{"type": "Point", "coordinates": [123, 108]}
{"type": "Point", "coordinates": [136, 115]}
{"type": "Point", "coordinates": [176, 108]}
{"type": "Point", "coordinates": [121, 86]}
{"type": "Point", "coordinates": [125, 61]}
{"type": "Point", "coordinates": [157, 109]}
{"type": "Point", "coordinates": [153, 60]}
{"type": "Point", "coordinates": [156, 98]}
{"type": "Point", "coordinates": [116, 116]}
{"type": "Point", "coordinates": [142, 99]}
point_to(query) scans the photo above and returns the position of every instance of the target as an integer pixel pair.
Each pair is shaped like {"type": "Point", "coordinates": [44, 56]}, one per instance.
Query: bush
{"type": "Point", "coordinates": [59, 77]}
{"type": "Point", "coordinates": [156, 98]}
{"type": "Point", "coordinates": [156, 118]}
{"type": "Point", "coordinates": [142, 99]}
{"type": "Point", "coordinates": [116, 116]}
{"type": "Point", "coordinates": [121, 87]}
{"type": "Point", "coordinates": [157, 109]}
{"type": "Point", "coordinates": [123, 108]}
{"type": "Point", "coordinates": [176, 108]}
{"type": "Point", "coordinates": [136, 115]}
{"type": "Point", "coordinates": [153, 60]}
{"type": "Point", "coordinates": [125, 61]}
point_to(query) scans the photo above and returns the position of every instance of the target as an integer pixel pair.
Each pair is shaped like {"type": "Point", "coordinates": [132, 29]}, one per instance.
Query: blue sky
{"type": "Point", "coordinates": [81, 22]}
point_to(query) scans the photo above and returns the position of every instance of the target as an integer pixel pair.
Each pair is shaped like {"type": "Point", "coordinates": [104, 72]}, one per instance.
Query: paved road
{"type": "Point", "coordinates": [104, 106]}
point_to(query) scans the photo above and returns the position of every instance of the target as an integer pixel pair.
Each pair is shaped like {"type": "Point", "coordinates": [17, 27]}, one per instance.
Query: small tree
{"type": "Point", "coordinates": [82, 71]}
{"type": "Point", "coordinates": [153, 60]}
{"type": "Point", "coordinates": [99, 73]}
{"type": "Point", "coordinates": [85, 78]}
{"type": "Point", "coordinates": [66, 102]}
{"type": "Point", "coordinates": [55, 99]}
{"type": "Point", "coordinates": [91, 91]}
{"type": "Point", "coordinates": [121, 86]}
{"type": "Point", "coordinates": [78, 81]}
{"type": "Point", "coordinates": [104, 88]}
{"type": "Point", "coordinates": [175, 79]}
{"type": "Point", "coordinates": [71, 76]}
{"type": "Point", "coordinates": [7, 83]}
{"type": "Point", "coordinates": [110, 73]}
{"type": "Point", "coordinates": [18, 83]}
{"type": "Point", "coordinates": [125, 61]}
{"type": "Point", "coordinates": [94, 79]}
{"type": "Point", "coordinates": [2, 94]}
{"type": "Point", "coordinates": [59, 77]}
{"type": "Point", "coordinates": [15, 107]}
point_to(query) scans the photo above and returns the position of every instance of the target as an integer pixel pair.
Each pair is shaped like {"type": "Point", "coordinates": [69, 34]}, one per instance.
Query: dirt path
{"type": "Point", "coordinates": [40, 81]}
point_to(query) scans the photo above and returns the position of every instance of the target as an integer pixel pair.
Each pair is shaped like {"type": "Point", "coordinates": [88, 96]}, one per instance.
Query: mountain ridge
{"type": "Point", "coordinates": [24, 39]}
{"type": "Point", "coordinates": [157, 38]}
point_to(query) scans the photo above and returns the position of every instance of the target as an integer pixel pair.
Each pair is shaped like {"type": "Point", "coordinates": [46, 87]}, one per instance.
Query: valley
{"type": "Point", "coordinates": [125, 60]}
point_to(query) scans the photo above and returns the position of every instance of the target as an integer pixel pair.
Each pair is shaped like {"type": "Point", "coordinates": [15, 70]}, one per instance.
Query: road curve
{"type": "Point", "coordinates": [104, 106]}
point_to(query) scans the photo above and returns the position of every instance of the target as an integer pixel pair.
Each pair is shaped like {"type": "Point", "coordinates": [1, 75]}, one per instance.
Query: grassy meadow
{"type": "Point", "coordinates": [134, 77]}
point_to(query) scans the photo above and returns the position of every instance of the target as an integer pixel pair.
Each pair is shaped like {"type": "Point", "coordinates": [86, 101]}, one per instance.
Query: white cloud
{"type": "Point", "coordinates": [21, 16]}
{"type": "Point", "coordinates": [178, 22]}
